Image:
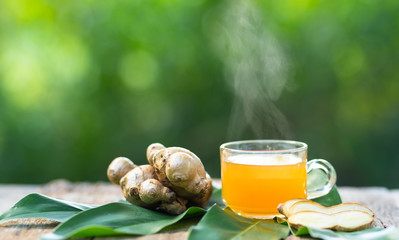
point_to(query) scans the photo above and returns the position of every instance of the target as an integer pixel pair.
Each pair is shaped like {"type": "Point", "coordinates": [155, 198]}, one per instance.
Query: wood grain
{"type": "Point", "coordinates": [384, 203]}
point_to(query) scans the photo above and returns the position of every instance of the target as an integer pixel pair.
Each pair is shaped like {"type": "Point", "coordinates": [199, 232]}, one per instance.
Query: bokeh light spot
{"type": "Point", "coordinates": [138, 70]}
{"type": "Point", "coordinates": [23, 76]}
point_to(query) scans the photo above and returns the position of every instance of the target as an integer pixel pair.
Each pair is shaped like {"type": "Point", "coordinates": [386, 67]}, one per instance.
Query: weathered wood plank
{"type": "Point", "coordinates": [384, 202]}
{"type": "Point", "coordinates": [26, 229]}
{"type": "Point", "coordinates": [89, 193]}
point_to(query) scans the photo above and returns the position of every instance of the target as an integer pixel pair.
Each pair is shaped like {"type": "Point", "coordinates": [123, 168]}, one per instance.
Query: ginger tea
{"type": "Point", "coordinates": [253, 185]}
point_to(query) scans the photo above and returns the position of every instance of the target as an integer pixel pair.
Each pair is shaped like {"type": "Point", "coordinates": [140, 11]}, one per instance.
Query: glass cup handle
{"type": "Point", "coordinates": [317, 187]}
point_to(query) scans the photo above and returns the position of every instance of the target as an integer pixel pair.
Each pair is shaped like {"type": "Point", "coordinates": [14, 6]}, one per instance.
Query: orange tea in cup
{"type": "Point", "coordinates": [259, 175]}
{"type": "Point", "coordinates": [255, 185]}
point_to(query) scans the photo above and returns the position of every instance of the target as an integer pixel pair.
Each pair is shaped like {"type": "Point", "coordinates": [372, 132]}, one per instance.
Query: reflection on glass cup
{"type": "Point", "coordinates": [257, 175]}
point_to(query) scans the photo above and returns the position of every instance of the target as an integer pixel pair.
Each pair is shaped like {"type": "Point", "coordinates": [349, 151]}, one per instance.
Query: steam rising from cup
{"type": "Point", "coordinates": [255, 68]}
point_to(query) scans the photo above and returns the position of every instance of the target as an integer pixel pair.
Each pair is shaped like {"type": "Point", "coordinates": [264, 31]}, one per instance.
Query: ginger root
{"type": "Point", "coordinates": [182, 171]}
{"type": "Point", "coordinates": [343, 217]}
{"type": "Point", "coordinates": [118, 168]}
{"type": "Point", "coordinates": [174, 179]}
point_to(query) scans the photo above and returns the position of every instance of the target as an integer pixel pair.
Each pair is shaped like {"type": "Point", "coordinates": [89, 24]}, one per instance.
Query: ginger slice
{"type": "Point", "coordinates": [343, 217]}
{"type": "Point", "coordinates": [349, 220]}
{"type": "Point", "coordinates": [311, 219]}
{"type": "Point", "coordinates": [283, 208]}
{"type": "Point", "coordinates": [301, 206]}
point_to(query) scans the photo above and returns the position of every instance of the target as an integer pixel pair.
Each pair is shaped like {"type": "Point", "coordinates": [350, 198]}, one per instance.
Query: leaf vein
{"type": "Point", "coordinates": [247, 229]}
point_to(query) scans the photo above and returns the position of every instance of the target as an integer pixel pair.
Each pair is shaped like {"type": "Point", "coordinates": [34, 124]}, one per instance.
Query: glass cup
{"type": "Point", "coordinates": [258, 175]}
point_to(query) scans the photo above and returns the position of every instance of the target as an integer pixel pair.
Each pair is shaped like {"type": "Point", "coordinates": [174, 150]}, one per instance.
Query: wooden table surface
{"type": "Point", "coordinates": [384, 203]}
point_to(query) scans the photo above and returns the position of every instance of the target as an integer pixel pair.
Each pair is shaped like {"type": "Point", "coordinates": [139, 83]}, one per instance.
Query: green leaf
{"type": "Point", "coordinates": [39, 206]}
{"type": "Point", "coordinates": [224, 224]}
{"type": "Point", "coordinates": [390, 233]}
{"type": "Point", "coordinates": [216, 198]}
{"type": "Point", "coordinates": [300, 232]}
{"type": "Point", "coordinates": [330, 199]}
{"type": "Point", "coordinates": [118, 219]}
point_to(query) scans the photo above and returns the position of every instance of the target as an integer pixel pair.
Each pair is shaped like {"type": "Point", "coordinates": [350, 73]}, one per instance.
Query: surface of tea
{"type": "Point", "coordinates": [262, 159]}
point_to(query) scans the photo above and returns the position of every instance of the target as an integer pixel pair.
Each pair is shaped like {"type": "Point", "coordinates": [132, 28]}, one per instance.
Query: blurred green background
{"type": "Point", "coordinates": [82, 82]}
